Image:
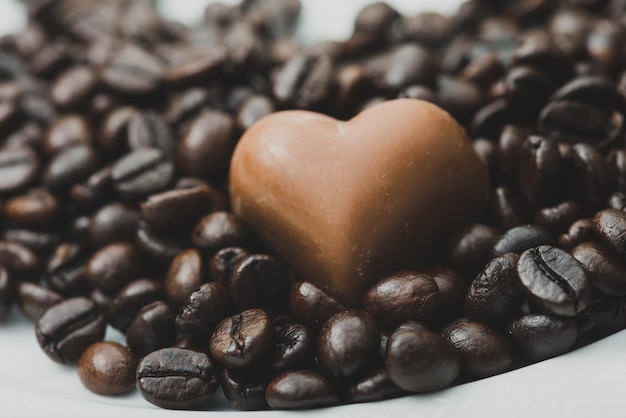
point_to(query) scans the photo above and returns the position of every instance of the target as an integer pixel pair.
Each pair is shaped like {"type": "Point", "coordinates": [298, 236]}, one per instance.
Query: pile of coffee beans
{"type": "Point", "coordinates": [116, 130]}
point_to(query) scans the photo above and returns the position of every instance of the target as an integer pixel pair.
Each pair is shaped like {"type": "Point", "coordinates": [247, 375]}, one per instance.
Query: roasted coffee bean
{"type": "Point", "coordinates": [537, 50]}
{"type": "Point", "coordinates": [588, 176]}
{"type": "Point", "coordinates": [401, 297]}
{"type": "Point", "coordinates": [149, 130]}
{"type": "Point", "coordinates": [347, 343]}
{"type": "Point", "coordinates": [604, 269]}
{"type": "Point", "coordinates": [107, 368]}
{"type": "Point", "coordinates": [22, 263]}
{"type": "Point", "coordinates": [294, 348]}
{"type": "Point", "coordinates": [504, 210]}
{"type": "Point", "coordinates": [617, 168]}
{"type": "Point", "coordinates": [153, 328]}
{"type": "Point", "coordinates": [224, 262]}
{"type": "Point", "coordinates": [519, 239]}
{"type": "Point", "coordinates": [554, 280]}
{"type": "Point", "coordinates": [483, 70]}
{"type": "Point", "coordinates": [113, 137]}
{"type": "Point", "coordinates": [242, 340]}
{"type": "Point", "coordinates": [540, 172]}
{"type": "Point", "coordinates": [34, 300]}
{"type": "Point", "coordinates": [594, 90]}
{"type": "Point", "coordinates": [244, 390]}
{"type": "Point", "coordinates": [301, 389]}
{"type": "Point", "coordinates": [260, 281]}
{"type": "Point", "coordinates": [374, 21]}
{"type": "Point", "coordinates": [490, 120]}
{"type": "Point", "coordinates": [510, 145]}
{"type": "Point", "coordinates": [253, 109]}
{"type": "Point", "coordinates": [68, 328]}
{"type": "Point", "coordinates": [580, 231]}
{"type": "Point", "coordinates": [452, 289]}
{"type": "Point", "coordinates": [185, 275]}
{"type": "Point", "coordinates": [142, 172]}
{"type": "Point", "coordinates": [194, 64]}
{"type": "Point", "coordinates": [470, 247]}
{"type": "Point", "coordinates": [66, 267]}
{"type": "Point", "coordinates": [573, 121]}
{"type": "Point", "coordinates": [8, 292]}
{"type": "Point", "coordinates": [494, 297]}
{"type": "Point", "coordinates": [113, 266]}
{"type": "Point", "coordinates": [617, 201]}
{"type": "Point", "coordinates": [70, 165]}
{"type": "Point", "coordinates": [19, 167]}
{"type": "Point", "coordinates": [219, 230]}
{"type": "Point", "coordinates": [304, 81]}
{"type": "Point", "coordinates": [419, 360]}
{"type": "Point", "coordinates": [373, 386]}
{"type": "Point", "coordinates": [528, 88]}
{"type": "Point", "coordinates": [311, 305]}
{"type": "Point", "coordinates": [74, 87]}
{"type": "Point", "coordinates": [67, 131]}
{"type": "Point", "coordinates": [610, 227]}
{"type": "Point", "coordinates": [186, 106]}
{"type": "Point", "coordinates": [39, 242]}
{"type": "Point", "coordinates": [94, 191]}
{"type": "Point", "coordinates": [133, 71]}
{"type": "Point", "coordinates": [486, 150]}
{"type": "Point", "coordinates": [113, 222]}
{"type": "Point", "coordinates": [37, 208]}
{"type": "Point", "coordinates": [559, 217]}
{"type": "Point", "coordinates": [540, 336]}
{"type": "Point", "coordinates": [128, 301]}
{"type": "Point", "coordinates": [176, 378]}
{"type": "Point", "coordinates": [484, 352]}
{"type": "Point", "coordinates": [29, 134]}
{"type": "Point", "coordinates": [204, 309]}
{"type": "Point", "coordinates": [159, 247]}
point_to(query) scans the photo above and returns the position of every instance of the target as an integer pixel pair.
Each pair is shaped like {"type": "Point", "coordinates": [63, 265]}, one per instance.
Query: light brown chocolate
{"type": "Point", "coordinates": [345, 202]}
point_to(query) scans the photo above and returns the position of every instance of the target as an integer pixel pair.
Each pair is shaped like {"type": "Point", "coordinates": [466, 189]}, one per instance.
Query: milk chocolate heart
{"type": "Point", "coordinates": [345, 202]}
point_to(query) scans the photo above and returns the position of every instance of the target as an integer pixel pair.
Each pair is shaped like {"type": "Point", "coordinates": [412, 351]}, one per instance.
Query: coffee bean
{"type": "Point", "coordinates": [401, 297]}
{"type": "Point", "coordinates": [470, 247]}
{"type": "Point", "coordinates": [510, 145]}
{"type": "Point", "coordinates": [194, 64]}
{"type": "Point", "coordinates": [504, 210]}
{"type": "Point", "coordinates": [19, 167]}
{"type": "Point", "coordinates": [540, 172]}
{"type": "Point", "coordinates": [73, 87]}
{"type": "Point", "coordinates": [610, 227]}
{"type": "Point", "coordinates": [39, 242]}
{"type": "Point", "coordinates": [176, 378]}
{"type": "Point", "coordinates": [253, 109]}
{"type": "Point", "coordinates": [301, 389]}
{"type": "Point", "coordinates": [605, 270]}
{"type": "Point", "coordinates": [224, 262]}
{"type": "Point", "coordinates": [37, 208]}
{"type": "Point", "coordinates": [519, 239]}
{"type": "Point", "coordinates": [617, 168]}
{"type": "Point", "coordinates": [219, 230]}
{"type": "Point", "coordinates": [304, 81]}
{"type": "Point", "coordinates": [68, 328]}
{"type": "Point", "coordinates": [588, 176]}
{"type": "Point", "coordinates": [559, 217]}
{"type": "Point", "coordinates": [580, 231]}
{"type": "Point", "coordinates": [93, 191]}
{"type": "Point", "coordinates": [242, 340]}
{"type": "Point", "coordinates": [373, 386]}
{"type": "Point", "coordinates": [484, 352]}
{"type": "Point", "coordinates": [153, 328]}
{"type": "Point", "coordinates": [244, 390]}
{"type": "Point", "coordinates": [491, 119]}
{"type": "Point", "coordinates": [113, 266]}
{"type": "Point", "coordinates": [554, 280]}
{"type": "Point", "coordinates": [160, 248]}
{"type": "Point", "coordinates": [107, 368]}
{"type": "Point", "coordinates": [540, 336]}
{"type": "Point", "coordinates": [7, 292]}
{"type": "Point", "coordinates": [66, 269]}
{"type": "Point", "coordinates": [294, 348]}
{"type": "Point", "coordinates": [133, 71]}
{"type": "Point", "coordinates": [260, 281]}
{"type": "Point", "coordinates": [34, 300]}
{"type": "Point", "coordinates": [142, 172]}
{"type": "Point", "coordinates": [594, 90]}
{"type": "Point", "coordinates": [113, 137]}
{"type": "Point", "coordinates": [617, 201]}
{"type": "Point", "coordinates": [113, 222]}
{"type": "Point", "coordinates": [311, 305]}
{"type": "Point", "coordinates": [122, 308]}
{"type": "Point", "coordinates": [452, 288]}
{"type": "Point", "coordinates": [70, 165]}
{"type": "Point", "coordinates": [419, 360]}
{"type": "Point", "coordinates": [185, 276]}
{"type": "Point", "coordinates": [66, 131]}
{"type": "Point", "coordinates": [22, 263]}
{"type": "Point", "coordinates": [204, 309]}
{"type": "Point", "coordinates": [149, 130]}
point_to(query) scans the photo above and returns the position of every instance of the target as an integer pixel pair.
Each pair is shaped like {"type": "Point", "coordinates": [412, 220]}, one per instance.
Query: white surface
{"type": "Point", "coordinates": [589, 382]}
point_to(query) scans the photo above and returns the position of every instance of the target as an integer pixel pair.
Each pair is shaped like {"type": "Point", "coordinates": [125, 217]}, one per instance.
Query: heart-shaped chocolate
{"type": "Point", "coordinates": [345, 202]}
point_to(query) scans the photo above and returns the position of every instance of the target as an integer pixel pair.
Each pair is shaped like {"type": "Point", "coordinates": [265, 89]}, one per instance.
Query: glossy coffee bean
{"type": "Point", "coordinates": [617, 201]}
{"type": "Point", "coordinates": [36, 209]}
{"type": "Point", "coordinates": [113, 137]}
{"type": "Point", "coordinates": [142, 172]}
{"type": "Point", "coordinates": [260, 281]}
{"type": "Point", "coordinates": [559, 217]}
{"type": "Point", "coordinates": [224, 262]}
{"type": "Point", "coordinates": [401, 297]}
{"type": "Point", "coordinates": [185, 276]}
{"type": "Point", "coordinates": [133, 71]}
{"type": "Point", "coordinates": [68, 328]}
{"type": "Point", "coordinates": [70, 165]}
{"type": "Point", "coordinates": [153, 328]}
{"type": "Point", "coordinates": [205, 308]}
{"type": "Point", "coordinates": [294, 348]}
{"type": "Point", "coordinates": [113, 266]}
{"type": "Point", "coordinates": [610, 228]}
{"type": "Point", "coordinates": [341, 356]}
{"type": "Point", "coordinates": [253, 109]}
{"type": "Point", "coordinates": [494, 297]}
{"type": "Point", "coordinates": [242, 340]}
{"type": "Point", "coordinates": [519, 239]}
{"type": "Point", "coordinates": [484, 352]}
{"type": "Point", "coordinates": [419, 360]}
{"type": "Point", "coordinates": [540, 336]}
{"type": "Point", "coordinates": [604, 269]}
{"type": "Point", "coordinates": [113, 222]}
{"type": "Point", "coordinates": [34, 300]}
{"type": "Point", "coordinates": [73, 87]}
{"type": "Point", "coordinates": [159, 247]}
{"type": "Point", "coordinates": [244, 390]}
{"type": "Point", "coordinates": [588, 176]}
{"type": "Point", "coordinates": [304, 81]}
{"type": "Point", "coordinates": [22, 263]}
{"type": "Point", "coordinates": [540, 172]}
{"type": "Point", "coordinates": [375, 385]}
{"type": "Point", "coordinates": [470, 247]}
{"type": "Point", "coordinates": [301, 389]}
{"type": "Point", "coordinates": [554, 280]}
{"type": "Point", "coordinates": [66, 267]}
{"type": "Point", "coordinates": [504, 210]}
{"type": "Point", "coordinates": [176, 378]}
{"type": "Point", "coordinates": [19, 167]}
{"type": "Point", "coordinates": [94, 191]}
{"type": "Point", "coordinates": [39, 242]}
{"type": "Point", "coordinates": [8, 292]}
{"type": "Point", "coordinates": [67, 131]}
{"type": "Point", "coordinates": [578, 232]}
{"type": "Point", "coordinates": [452, 290]}
{"type": "Point", "coordinates": [219, 230]}
{"type": "Point", "coordinates": [107, 368]}
{"type": "Point", "coordinates": [122, 308]}
{"type": "Point", "coordinates": [311, 305]}
{"type": "Point", "coordinates": [149, 130]}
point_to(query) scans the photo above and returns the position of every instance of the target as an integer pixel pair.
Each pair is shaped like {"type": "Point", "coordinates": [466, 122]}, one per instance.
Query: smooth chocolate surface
{"type": "Point", "coordinates": [344, 202]}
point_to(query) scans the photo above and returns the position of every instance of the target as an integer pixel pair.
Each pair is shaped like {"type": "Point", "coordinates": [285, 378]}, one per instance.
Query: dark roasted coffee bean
{"type": "Point", "coordinates": [224, 262]}
{"type": "Point", "coordinates": [580, 231]}
{"type": "Point", "coordinates": [483, 70]}
{"type": "Point", "coordinates": [419, 360]}
{"type": "Point", "coordinates": [594, 90]}
{"type": "Point", "coordinates": [40, 242]}
{"type": "Point", "coordinates": [588, 176]}
{"type": "Point", "coordinates": [375, 385]}
{"type": "Point", "coordinates": [573, 121]}
{"type": "Point", "coordinates": [603, 45]}
{"type": "Point", "coordinates": [133, 71]}
{"type": "Point", "coordinates": [504, 210]}
{"type": "Point", "coordinates": [260, 281]}
{"type": "Point", "coordinates": [253, 109]}
{"type": "Point", "coordinates": [113, 222]}
{"type": "Point", "coordinates": [540, 172]}
{"type": "Point", "coordinates": [470, 247]}
{"type": "Point", "coordinates": [159, 247]}
{"type": "Point", "coordinates": [301, 389]}
{"type": "Point", "coordinates": [8, 292]}
{"type": "Point", "coordinates": [494, 297]}
{"type": "Point", "coordinates": [537, 50]}
{"type": "Point", "coordinates": [68, 328]}
{"type": "Point", "coordinates": [65, 269]}
{"type": "Point", "coordinates": [149, 130]}
{"type": "Point", "coordinates": [452, 289]}
{"type": "Point", "coordinates": [70, 165]}
{"type": "Point", "coordinates": [186, 106]}
{"type": "Point", "coordinates": [294, 348]}
{"type": "Point", "coordinates": [113, 266]}
{"type": "Point", "coordinates": [510, 144]}
{"type": "Point", "coordinates": [113, 137]}
{"type": "Point", "coordinates": [554, 280]}
{"type": "Point", "coordinates": [540, 336]}
{"type": "Point", "coordinates": [610, 227]}
{"type": "Point", "coordinates": [484, 352]}
{"type": "Point", "coordinates": [107, 368]}
{"type": "Point", "coordinates": [519, 239]}
{"type": "Point", "coordinates": [94, 191]}
{"type": "Point", "coordinates": [242, 340]}
{"type": "Point", "coordinates": [29, 134]}
{"type": "Point", "coordinates": [176, 378]}
{"type": "Point", "coordinates": [219, 230]}
{"type": "Point", "coordinates": [490, 120]}
{"type": "Point", "coordinates": [19, 167]}
{"type": "Point", "coordinates": [244, 390]}
{"type": "Point", "coordinates": [33, 300]}
{"type": "Point", "coordinates": [22, 263]}
{"type": "Point", "coordinates": [153, 328]}
{"type": "Point", "coordinates": [304, 81]}
{"type": "Point", "coordinates": [559, 217]}
{"type": "Point", "coordinates": [401, 297]}
{"type": "Point", "coordinates": [74, 87]}
{"type": "Point", "coordinates": [617, 201]}
{"type": "Point", "coordinates": [605, 270]}
{"type": "Point", "coordinates": [194, 65]}
{"type": "Point", "coordinates": [142, 172]}
{"type": "Point", "coordinates": [67, 131]}
{"type": "Point", "coordinates": [128, 301]}
{"type": "Point", "coordinates": [205, 308]}
{"type": "Point", "coordinates": [37, 208]}
{"type": "Point", "coordinates": [617, 168]}
{"type": "Point", "coordinates": [343, 357]}
{"type": "Point", "coordinates": [311, 305]}
{"type": "Point", "coordinates": [528, 88]}
{"type": "Point", "coordinates": [487, 152]}
{"type": "Point", "coordinates": [185, 275]}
